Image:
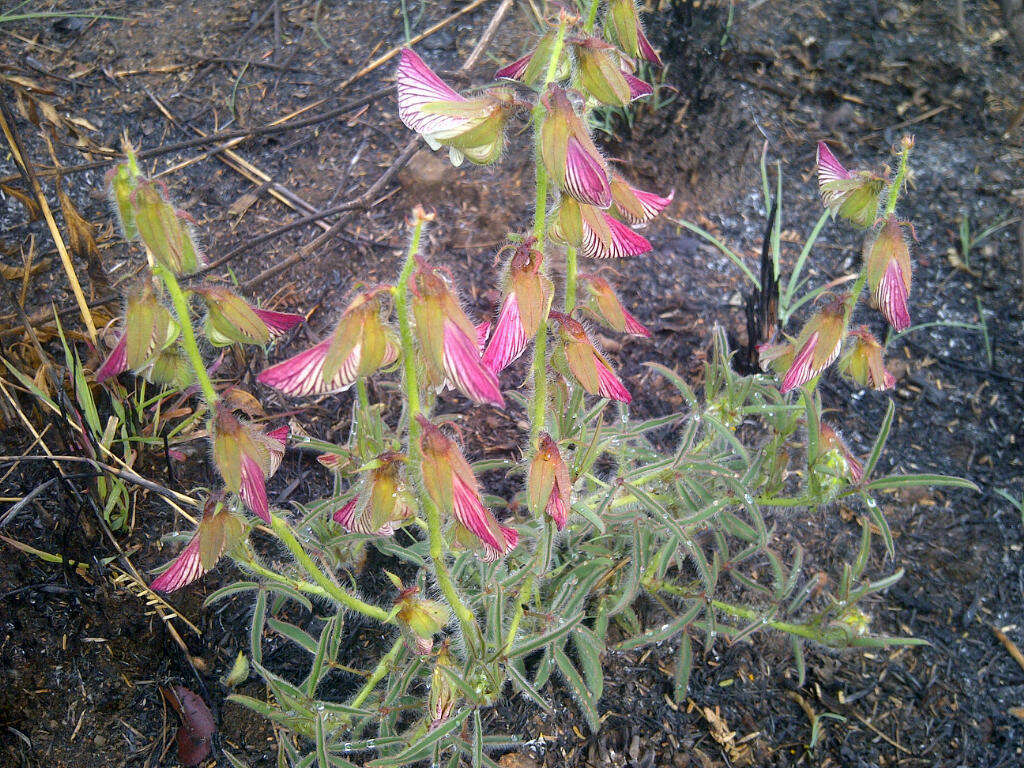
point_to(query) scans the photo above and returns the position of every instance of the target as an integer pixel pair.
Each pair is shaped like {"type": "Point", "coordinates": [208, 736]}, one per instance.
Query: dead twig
{"type": "Point", "coordinates": [1009, 645]}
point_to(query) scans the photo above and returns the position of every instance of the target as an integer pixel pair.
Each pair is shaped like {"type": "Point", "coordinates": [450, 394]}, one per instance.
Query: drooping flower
{"type": "Point", "coordinates": [449, 341]}
{"type": "Point", "coordinates": [850, 194]}
{"type": "Point", "coordinates": [149, 328]}
{"type": "Point", "coordinates": [418, 619]}
{"type": "Point", "coordinates": [606, 307]}
{"type": "Point", "coordinates": [166, 232]}
{"type": "Point", "coordinates": [569, 154]}
{"type": "Point", "coordinates": [635, 206]}
{"type": "Point", "coordinates": [219, 531]}
{"type": "Point", "coordinates": [548, 486]}
{"type": "Point", "coordinates": [863, 361]}
{"type": "Point", "coordinates": [887, 261]}
{"type": "Point", "coordinates": [449, 481]}
{"type": "Point", "coordinates": [602, 76]}
{"type": "Point", "coordinates": [230, 319]}
{"type": "Point", "coordinates": [577, 353]}
{"type": "Point", "coordinates": [360, 345]}
{"type": "Point", "coordinates": [382, 502]}
{"type": "Point", "coordinates": [246, 458]}
{"type": "Point", "coordinates": [527, 298]}
{"type": "Point", "coordinates": [472, 128]}
{"type": "Point", "coordinates": [814, 350]}
{"type": "Point", "coordinates": [622, 24]}
{"type": "Point", "coordinates": [838, 455]}
{"type": "Point", "coordinates": [531, 68]}
{"type": "Point", "coordinates": [595, 233]}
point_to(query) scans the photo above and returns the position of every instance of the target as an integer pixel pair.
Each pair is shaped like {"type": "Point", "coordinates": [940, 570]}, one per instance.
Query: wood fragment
{"type": "Point", "coordinates": [1009, 645]}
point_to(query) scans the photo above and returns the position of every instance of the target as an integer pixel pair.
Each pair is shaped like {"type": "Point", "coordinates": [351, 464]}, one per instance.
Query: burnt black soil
{"type": "Point", "coordinates": [83, 656]}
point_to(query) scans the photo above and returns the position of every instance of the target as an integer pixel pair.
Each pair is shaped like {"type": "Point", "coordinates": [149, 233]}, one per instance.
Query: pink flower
{"type": "Point", "coordinates": [623, 25]}
{"type": "Point", "coordinates": [246, 458]}
{"type": "Point", "coordinates": [569, 154]}
{"type": "Point", "coordinates": [887, 261]}
{"type": "Point", "coordinates": [863, 361]}
{"type": "Point", "coordinates": [636, 206]}
{"type": "Point", "coordinates": [360, 345]}
{"type": "Point", "coordinates": [527, 298]}
{"type": "Point", "coordinates": [608, 309]}
{"type": "Point", "coordinates": [852, 195]}
{"type": "Point", "coordinates": [601, 73]}
{"type": "Point", "coordinates": [382, 502]}
{"type": "Point", "coordinates": [816, 348]}
{"type": "Point", "coordinates": [219, 531]}
{"type": "Point", "coordinates": [548, 487]}
{"type": "Point", "coordinates": [585, 363]}
{"type": "Point", "coordinates": [449, 341]}
{"type": "Point", "coordinates": [595, 233]}
{"type": "Point", "coordinates": [116, 362]}
{"type": "Point", "coordinates": [449, 481]}
{"type": "Point", "coordinates": [231, 320]}
{"type": "Point", "coordinates": [831, 441]}
{"type": "Point", "coordinates": [472, 128]}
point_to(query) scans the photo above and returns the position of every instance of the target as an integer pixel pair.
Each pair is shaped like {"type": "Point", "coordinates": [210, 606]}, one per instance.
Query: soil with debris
{"type": "Point", "coordinates": [83, 655]}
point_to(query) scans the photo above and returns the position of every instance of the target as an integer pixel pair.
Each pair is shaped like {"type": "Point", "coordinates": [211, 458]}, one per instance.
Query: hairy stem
{"type": "Point", "coordinates": [188, 337]}
{"type": "Point", "coordinates": [384, 666]}
{"type": "Point", "coordinates": [570, 279]}
{"type": "Point", "coordinates": [336, 593]}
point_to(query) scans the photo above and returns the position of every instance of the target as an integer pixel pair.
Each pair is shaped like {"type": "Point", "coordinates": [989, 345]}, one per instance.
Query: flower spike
{"type": "Point", "coordinates": [471, 128]}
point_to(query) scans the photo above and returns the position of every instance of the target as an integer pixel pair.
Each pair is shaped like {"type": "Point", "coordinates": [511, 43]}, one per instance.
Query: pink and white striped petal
{"type": "Point", "coordinates": [509, 340]}
{"type": "Point", "coordinates": [637, 87]}
{"type": "Point", "coordinates": [419, 87]}
{"type": "Point", "coordinates": [253, 488]}
{"type": "Point", "coordinates": [511, 538]}
{"type": "Point", "coordinates": [609, 384]}
{"type": "Point", "coordinates": [803, 369]}
{"type": "Point", "coordinates": [585, 177]}
{"type": "Point", "coordinates": [276, 441]}
{"type": "Point", "coordinates": [483, 330]}
{"type": "Point", "coordinates": [302, 375]}
{"type": "Point", "coordinates": [634, 326]}
{"type": "Point", "coordinates": [515, 70]}
{"type": "Point", "coordinates": [650, 203]}
{"type": "Point", "coordinates": [891, 297]}
{"type": "Point", "coordinates": [461, 360]}
{"type": "Point", "coordinates": [624, 241]}
{"type": "Point", "coordinates": [469, 510]}
{"type": "Point", "coordinates": [830, 171]}
{"type": "Point", "coordinates": [346, 517]}
{"type": "Point", "coordinates": [557, 509]}
{"type": "Point", "coordinates": [116, 362]}
{"type": "Point", "coordinates": [184, 569]}
{"type": "Point", "coordinates": [646, 49]}
{"type": "Point", "coordinates": [278, 323]}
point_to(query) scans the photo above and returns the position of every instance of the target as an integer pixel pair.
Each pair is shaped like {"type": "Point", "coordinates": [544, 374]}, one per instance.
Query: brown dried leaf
{"type": "Point", "coordinates": [24, 198]}
{"type": "Point", "coordinates": [197, 726]}
{"type": "Point", "coordinates": [18, 273]}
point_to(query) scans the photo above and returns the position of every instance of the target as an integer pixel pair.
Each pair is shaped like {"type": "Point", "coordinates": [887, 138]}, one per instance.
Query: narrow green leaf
{"type": "Point", "coordinates": [579, 689]}
{"type": "Point", "coordinates": [684, 665]}
{"type": "Point", "coordinates": [665, 631]}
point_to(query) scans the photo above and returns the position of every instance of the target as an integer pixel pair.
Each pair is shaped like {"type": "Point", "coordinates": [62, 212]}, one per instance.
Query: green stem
{"type": "Point", "coordinates": [250, 563]}
{"type": "Point", "coordinates": [540, 373]}
{"type": "Point", "coordinates": [383, 667]}
{"type": "Point", "coordinates": [188, 337]}
{"type": "Point", "coordinates": [570, 279]}
{"type": "Point", "coordinates": [901, 176]}
{"type": "Point", "coordinates": [364, 396]}
{"type": "Point", "coordinates": [284, 533]}
{"type": "Point", "coordinates": [412, 393]}
{"type": "Point", "coordinates": [588, 26]}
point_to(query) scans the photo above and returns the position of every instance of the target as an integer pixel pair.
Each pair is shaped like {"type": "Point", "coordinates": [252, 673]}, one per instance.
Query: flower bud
{"type": "Point", "coordinates": [836, 455]}
{"type": "Point", "coordinates": [887, 261]}
{"type": "Point", "coordinates": [527, 299]}
{"type": "Point", "coordinates": [817, 346]}
{"type": "Point", "coordinates": [442, 698]}
{"type": "Point", "coordinates": [449, 482]}
{"type": "Point", "coordinates": [163, 229]}
{"type": "Point", "coordinates": [230, 320]}
{"type": "Point", "coordinates": [418, 619]}
{"type": "Point", "coordinates": [863, 361]}
{"type": "Point", "coordinates": [852, 195]}
{"type": "Point", "coordinates": [622, 24]}
{"type": "Point", "coordinates": [577, 353]}
{"type": "Point", "coordinates": [548, 487]}
{"type": "Point", "coordinates": [470, 128]}
{"type": "Point", "coordinates": [449, 341]}
{"type": "Point", "coordinates": [606, 307]}
{"type": "Point", "coordinates": [533, 66]}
